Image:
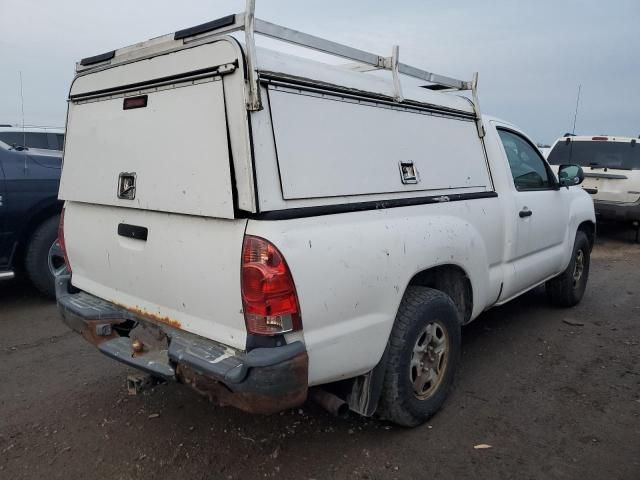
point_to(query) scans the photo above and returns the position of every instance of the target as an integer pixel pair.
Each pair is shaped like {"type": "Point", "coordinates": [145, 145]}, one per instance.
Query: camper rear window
{"type": "Point", "coordinates": [597, 154]}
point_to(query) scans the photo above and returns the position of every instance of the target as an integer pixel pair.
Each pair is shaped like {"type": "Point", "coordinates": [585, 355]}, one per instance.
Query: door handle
{"type": "Point", "coordinates": [525, 213]}
{"type": "Point", "coordinates": [133, 231]}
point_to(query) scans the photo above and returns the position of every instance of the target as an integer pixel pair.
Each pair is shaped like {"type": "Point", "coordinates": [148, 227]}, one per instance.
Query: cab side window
{"type": "Point", "coordinates": [527, 167]}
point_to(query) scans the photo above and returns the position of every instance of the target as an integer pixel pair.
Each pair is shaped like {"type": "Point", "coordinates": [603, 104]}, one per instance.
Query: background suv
{"type": "Point", "coordinates": [611, 169]}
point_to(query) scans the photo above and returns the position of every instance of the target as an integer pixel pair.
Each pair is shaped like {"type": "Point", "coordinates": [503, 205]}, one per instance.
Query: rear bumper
{"type": "Point", "coordinates": [617, 211]}
{"type": "Point", "coordinates": [264, 380]}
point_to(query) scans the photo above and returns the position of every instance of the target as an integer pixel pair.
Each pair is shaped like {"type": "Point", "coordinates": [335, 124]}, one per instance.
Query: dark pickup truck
{"type": "Point", "coordinates": [29, 215]}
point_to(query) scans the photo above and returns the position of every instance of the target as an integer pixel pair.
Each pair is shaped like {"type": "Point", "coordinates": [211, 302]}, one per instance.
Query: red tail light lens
{"type": "Point", "coordinates": [61, 241]}
{"type": "Point", "coordinates": [268, 292]}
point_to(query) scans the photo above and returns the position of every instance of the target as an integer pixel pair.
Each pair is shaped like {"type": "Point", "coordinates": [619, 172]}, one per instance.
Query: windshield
{"type": "Point", "coordinates": [29, 139]}
{"type": "Point", "coordinates": [597, 154]}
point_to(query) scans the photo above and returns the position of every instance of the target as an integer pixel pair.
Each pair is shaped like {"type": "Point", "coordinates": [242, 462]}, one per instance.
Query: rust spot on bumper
{"type": "Point", "coordinates": [88, 328]}
{"type": "Point", "coordinates": [266, 390]}
{"type": "Point", "coordinates": [141, 312]}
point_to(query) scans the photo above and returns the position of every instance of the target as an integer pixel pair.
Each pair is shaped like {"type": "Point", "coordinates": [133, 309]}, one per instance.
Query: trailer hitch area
{"type": "Point", "coordinates": [146, 338]}
{"type": "Point", "coordinates": [146, 348]}
{"type": "Point", "coordinates": [148, 342]}
{"type": "Point", "coordinates": [139, 382]}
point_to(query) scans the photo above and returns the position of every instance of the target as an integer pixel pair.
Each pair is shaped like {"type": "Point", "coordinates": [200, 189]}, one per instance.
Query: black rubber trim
{"type": "Point", "coordinates": [98, 58]}
{"type": "Point", "coordinates": [135, 86]}
{"type": "Point", "coordinates": [133, 231]}
{"type": "Point", "coordinates": [205, 27]}
{"type": "Point", "coordinates": [305, 212]}
{"type": "Point", "coordinates": [264, 341]}
{"type": "Point", "coordinates": [612, 176]}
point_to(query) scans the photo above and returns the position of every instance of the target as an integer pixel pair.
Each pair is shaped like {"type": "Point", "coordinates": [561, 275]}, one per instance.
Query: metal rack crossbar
{"type": "Point", "coordinates": [366, 61]}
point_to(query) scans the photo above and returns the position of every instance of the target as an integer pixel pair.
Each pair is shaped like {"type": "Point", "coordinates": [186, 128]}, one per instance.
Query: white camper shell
{"type": "Point", "coordinates": [196, 104]}
{"type": "Point", "coordinates": [196, 163]}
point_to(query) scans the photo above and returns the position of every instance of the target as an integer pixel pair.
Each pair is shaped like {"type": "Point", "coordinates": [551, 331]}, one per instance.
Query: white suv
{"type": "Point", "coordinates": [611, 168]}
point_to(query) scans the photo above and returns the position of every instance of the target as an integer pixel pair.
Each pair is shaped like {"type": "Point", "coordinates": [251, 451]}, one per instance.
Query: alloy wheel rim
{"type": "Point", "coordinates": [429, 360]}
{"type": "Point", "coordinates": [55, 260]}
{"type": "Point", "coordinates": [578, 268]}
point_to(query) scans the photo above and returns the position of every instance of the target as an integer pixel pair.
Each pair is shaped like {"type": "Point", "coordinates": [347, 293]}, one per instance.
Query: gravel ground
{"type": "Point", "coordinates": [555, 393]}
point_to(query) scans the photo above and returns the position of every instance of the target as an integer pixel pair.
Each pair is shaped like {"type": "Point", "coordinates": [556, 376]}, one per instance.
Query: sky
{"type": "Point", "coordinates": [531, 55]}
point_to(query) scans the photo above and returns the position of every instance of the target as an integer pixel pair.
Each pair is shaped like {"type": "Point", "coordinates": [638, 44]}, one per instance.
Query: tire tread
{"type": "Point", "coordinates": [37, 254]}
{"type": "Point", "coordinates": [560, 291]}
{"type": "Point", "coordinates": [394, 406]}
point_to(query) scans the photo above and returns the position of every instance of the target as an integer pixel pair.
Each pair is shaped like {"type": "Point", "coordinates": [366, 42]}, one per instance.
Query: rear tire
{"type": "Point", "coordinates": [423, 355]}
{"type": "Point", "coordinates": [40, 269]}
{"type": "Point", "coordinates": [567, 289]}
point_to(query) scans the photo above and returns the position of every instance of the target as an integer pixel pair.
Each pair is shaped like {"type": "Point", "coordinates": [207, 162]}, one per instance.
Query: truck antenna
{"type": "Point", "coordinates": [24, 135]}
{"type": "Point", "coordinates": [575, 115]}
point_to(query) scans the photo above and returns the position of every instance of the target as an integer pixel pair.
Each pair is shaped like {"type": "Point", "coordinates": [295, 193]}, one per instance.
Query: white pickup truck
{"type": "Point", "coordinates": [264, 227]}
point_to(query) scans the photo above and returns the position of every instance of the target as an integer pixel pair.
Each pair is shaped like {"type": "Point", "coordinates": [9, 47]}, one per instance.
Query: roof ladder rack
{"type": "Point", "coordinates": [366, 61]}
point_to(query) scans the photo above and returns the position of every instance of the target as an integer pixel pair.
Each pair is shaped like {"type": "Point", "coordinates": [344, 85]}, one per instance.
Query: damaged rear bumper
{"type": "Point", "coordinates": [263, 380]}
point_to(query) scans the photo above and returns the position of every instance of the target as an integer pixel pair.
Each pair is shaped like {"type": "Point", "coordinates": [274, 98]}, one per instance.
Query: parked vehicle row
{"type": "Point", "coordinates": [308, 228]}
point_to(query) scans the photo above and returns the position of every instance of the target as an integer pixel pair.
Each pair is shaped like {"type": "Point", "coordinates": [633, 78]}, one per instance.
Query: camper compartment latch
{"type": "Point", "coordinates": [408, 173]}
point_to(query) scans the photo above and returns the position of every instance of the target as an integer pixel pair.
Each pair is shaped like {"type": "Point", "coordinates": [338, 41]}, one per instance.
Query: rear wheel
{"type": "Point", "coordinates": [567, 289]}
{"type": "Point", "coordinates": [423, 355]}
{"type": "Point", "coordinates": [44, 259]}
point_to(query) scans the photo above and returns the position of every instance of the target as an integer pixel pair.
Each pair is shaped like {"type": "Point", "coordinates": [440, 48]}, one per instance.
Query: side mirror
{"type": "Point", "coordinates": [17, 148]}
{"type": "Point", "coordinates": [570, 175]}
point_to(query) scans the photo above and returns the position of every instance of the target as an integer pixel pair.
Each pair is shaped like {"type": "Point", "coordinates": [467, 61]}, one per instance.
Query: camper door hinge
{"type": "Point", "coordinates": [227, 68]}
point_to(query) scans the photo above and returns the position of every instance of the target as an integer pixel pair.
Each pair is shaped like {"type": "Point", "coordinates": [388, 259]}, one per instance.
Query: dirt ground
{"type": "Point", "coordinates": [556, 393]}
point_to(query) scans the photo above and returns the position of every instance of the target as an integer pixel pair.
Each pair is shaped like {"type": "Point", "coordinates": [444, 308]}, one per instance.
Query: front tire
{"type": "Point", "coordinates": [44, 260]}
{"type": "Point", "coordinates": [423, 355]}
{"type": "Point", "coordinates": [567, 289]}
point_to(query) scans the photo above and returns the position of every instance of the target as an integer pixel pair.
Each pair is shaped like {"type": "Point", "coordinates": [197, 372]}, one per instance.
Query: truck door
{"type": "Point", "coordinates": [541, 213]}
{"type": "Point", "coordinates": [4, 254]}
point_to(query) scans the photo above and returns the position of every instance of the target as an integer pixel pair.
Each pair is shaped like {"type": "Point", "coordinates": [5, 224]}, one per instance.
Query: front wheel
{"type": "Point", "coordinates": [567, 289]}
{"type": "Point", "coordinates": [423, 355]}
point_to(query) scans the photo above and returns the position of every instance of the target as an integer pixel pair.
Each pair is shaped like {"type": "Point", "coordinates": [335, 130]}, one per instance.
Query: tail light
{"type": "Point", "coordinates": [268, 293]}
{"type": "Point", "coordinates": [61, 242]}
